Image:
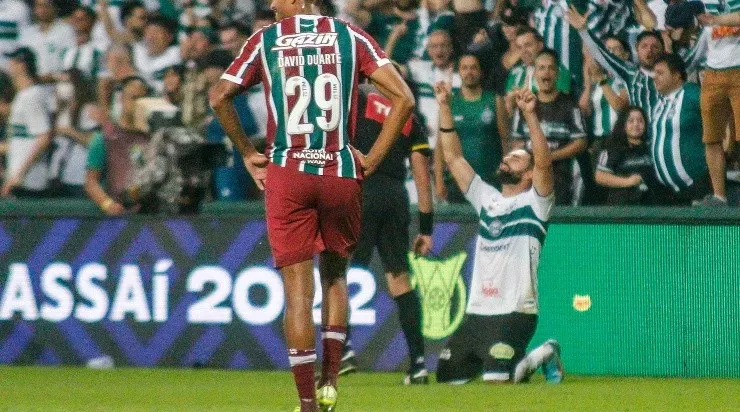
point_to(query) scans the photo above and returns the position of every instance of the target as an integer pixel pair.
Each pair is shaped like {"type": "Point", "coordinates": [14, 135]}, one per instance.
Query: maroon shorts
{"type": "Point", "coordinates": [308, 214]}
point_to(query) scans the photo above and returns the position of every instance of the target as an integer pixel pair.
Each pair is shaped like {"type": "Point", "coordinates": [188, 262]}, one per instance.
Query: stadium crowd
{"type": "Point", "coordinates": [639, 101]}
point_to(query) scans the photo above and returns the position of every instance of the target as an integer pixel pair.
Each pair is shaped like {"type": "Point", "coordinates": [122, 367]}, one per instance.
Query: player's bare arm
{"type": "Point", "coordinates": [449, 141]}
{"type": "Point", "coordinates": [222, 101]}
{"type": "Point", "coordinates": [542, 178]}
{"type": "Point", "coordinates": [391, 85]}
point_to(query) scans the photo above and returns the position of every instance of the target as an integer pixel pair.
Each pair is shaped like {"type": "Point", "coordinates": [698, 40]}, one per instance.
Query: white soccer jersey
{"type": "Point", "coordinates": [153, 68]}
{"type": "Point", "coordinates": [50, 45]}
{"type": "Point", "coordinates": [510, 236]}
{"type": "Point", "coordinates": [424, 74]}
{"type": "Point", "coordinates": [87, 58]}
{"type": "Point", "coordinates": [29, 118]}
{"type": "Point", "coordinates": [14, 16]}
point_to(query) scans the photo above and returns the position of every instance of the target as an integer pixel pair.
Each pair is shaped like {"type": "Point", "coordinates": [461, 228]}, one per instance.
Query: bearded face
{"type": "Point", "coordinates": [508, 177]}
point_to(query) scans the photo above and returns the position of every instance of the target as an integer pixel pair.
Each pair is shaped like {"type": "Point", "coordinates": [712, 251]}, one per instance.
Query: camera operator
{"type": "Point", "coordinates": [113, 152]}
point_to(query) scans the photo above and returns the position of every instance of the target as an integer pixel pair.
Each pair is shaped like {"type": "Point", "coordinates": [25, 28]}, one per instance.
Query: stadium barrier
{"type": "Point", "coordinates": [626, 291]}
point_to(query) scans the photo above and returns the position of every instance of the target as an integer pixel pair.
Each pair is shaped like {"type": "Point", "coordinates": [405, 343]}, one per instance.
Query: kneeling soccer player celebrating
{"type": "Point", "coordinates": [501, 315]}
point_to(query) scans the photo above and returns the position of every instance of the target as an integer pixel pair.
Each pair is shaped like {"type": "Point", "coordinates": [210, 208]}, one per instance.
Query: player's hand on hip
{"type": "Point", "coordinates": [368, 167]}
{"type": "Point", "coordinates": [256, 164]}
{"type": "Point", "coordinates": [423, 245]}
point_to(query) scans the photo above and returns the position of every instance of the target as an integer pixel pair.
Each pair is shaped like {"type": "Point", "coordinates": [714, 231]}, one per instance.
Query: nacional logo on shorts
{"type": "Point", "coordinates": [442, 292]}
{"type": "Point", "coordinates": [304, 40]}
{"type": "Point", "coordinates": [316, 157]}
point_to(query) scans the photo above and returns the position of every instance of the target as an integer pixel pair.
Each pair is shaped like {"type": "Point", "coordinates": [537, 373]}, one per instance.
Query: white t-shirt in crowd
{"type": "Point", "coordinates": [29, 118]}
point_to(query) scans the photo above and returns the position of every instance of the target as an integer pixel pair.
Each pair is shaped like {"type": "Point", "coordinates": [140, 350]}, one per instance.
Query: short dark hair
{"type": "Point", "coordinates": [163, 22]}
{"type": "Point", "coordinates": [675, 64]}
{"type": "Point", "coordinates": [264, 14]}
{"type": "Point", "coordinates": [650, 33]}
{"type": "Point", "coordinates": [522, 30]}
{"type": "Point", "coordinates": [89, 11]}
{"type": "Point", "coordinates": [128, 7]}
{"type": "Point", "coordinates": [552, 53]}
{"type": "Point", "coordinates": [239, 27]}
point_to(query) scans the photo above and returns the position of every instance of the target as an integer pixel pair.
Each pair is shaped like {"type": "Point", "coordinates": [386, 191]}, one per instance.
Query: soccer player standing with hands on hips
{"type": "Point", "coordinates": [501, 316]}
{"type": "Point", "coordinates": [310, 67]}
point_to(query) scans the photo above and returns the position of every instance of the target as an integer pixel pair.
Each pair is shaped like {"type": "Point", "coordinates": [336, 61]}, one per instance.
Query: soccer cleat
{"type": "Point", "coordinates": [417, 375]}
{"type": "Point", "coordinates": [553, 367]}
{"type": "Point", "coordinates": [326, 397]}
{"type": "Point", "coordinates": [710, 200]}
{"type": "Point", "coordinates": [348, 364]}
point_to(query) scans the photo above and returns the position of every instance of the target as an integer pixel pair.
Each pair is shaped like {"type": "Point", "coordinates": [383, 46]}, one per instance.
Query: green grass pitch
{"type": "Point", "coordinates": [77, 389]}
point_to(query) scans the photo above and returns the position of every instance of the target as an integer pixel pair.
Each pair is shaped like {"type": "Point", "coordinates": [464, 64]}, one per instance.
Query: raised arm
{"type": "Point", "coordinates": [542, 179]}
{"type": "Point", "coordinates": [644, 15]}
{"type": "Point", "coordinates": [613, 64]}
{"type": "Point", "coordinates": [729, 19]}
{"type": "Point", "coordinates": [449, 141]}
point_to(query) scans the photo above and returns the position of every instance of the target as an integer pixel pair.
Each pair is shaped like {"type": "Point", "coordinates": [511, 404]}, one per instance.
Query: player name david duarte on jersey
{"type": "Point", "coordinates": [311, 67]}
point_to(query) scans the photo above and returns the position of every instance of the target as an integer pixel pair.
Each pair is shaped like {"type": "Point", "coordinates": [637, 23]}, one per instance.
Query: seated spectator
{"type": "Point", "coordinates": [114, 151]}
{"type": "Point", "coordinates": [474, 114]}
{"type": "Point", "coordinates": [157, 52]}
{"type": "Point", "coordinates": [231, 181]}
{"type": "Point", "coordinates": [676, 126]}
{"type": "Point", "coordinates": [625, 166]}
{"type": "Point", "coordinates": [29, 136]}
{"type": "Point", "coordinates": [562, 124]}
{"type": "Point", "coordinates": [14, 17]}
{"type": "Point", "coordinates": [48, 38]}
{"type": "Point", "coordinates": [75, 124]}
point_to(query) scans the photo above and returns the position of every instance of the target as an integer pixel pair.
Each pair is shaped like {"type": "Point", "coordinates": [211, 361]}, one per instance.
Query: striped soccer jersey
{"type": "Point", "coordinates": [551, 23]}
{"type": "Point", "coordinates": [87, 58]}
{"type": "Point", "coordinates": [310, 67]}
{"type": "Point", "coordinates": [604, 116]}
{"type": "Point", "coordinates": [724, 45]}
{"type": "Point", "coordinates": [511, 232]}
{"type": "Point", "coordinates": [676, 145]}
{"type": "Point", "coordinates": [640, 83]}
{"type": "Point", "coordinates": [14, 15]}
{"type": "Point", "coordinates": [608, 16]}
